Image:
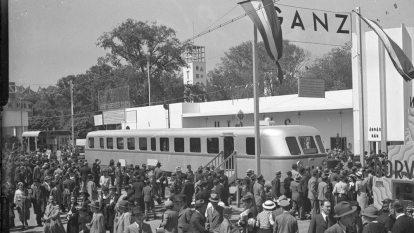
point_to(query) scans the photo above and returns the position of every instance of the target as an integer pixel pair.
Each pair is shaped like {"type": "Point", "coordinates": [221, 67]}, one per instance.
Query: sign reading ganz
{"type": "Point", "coordinates": [334, 26]}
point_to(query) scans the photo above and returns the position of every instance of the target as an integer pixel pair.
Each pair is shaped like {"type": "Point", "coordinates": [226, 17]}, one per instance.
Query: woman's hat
{"type": "Point", "coordinates": [281, 198]}
{"type": "Point", "coordinates": [94, 204]}
{"type": "Point", "coordinates": [370, 212]}
{"type": "Point", "coordinates": [123, 203]}
{"type": "Point", "coordinates": [214, 197]}
{"type": "Point", "coordinates": [269, 205]}
{"type": "Point", "coordinates": [198, 203]}
{"type": "Point", "coordinates": [168, 203]}
{"type": "Point", "coordinates": [343, 208]}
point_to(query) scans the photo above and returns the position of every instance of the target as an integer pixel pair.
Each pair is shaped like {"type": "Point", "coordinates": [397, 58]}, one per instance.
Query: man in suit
{"type": "Point", "coordinates": [345, 215]}
{"type": "Point", "coordinates": [198, 220]}
{"type": "Point", "coordinates": [214, 214]}
{"type": "Point", "coordinates": [276, 185]}
{"type": "Point", "coordinates": [320, 222]}
{"type": "Point", "coordinates": [259, 193]}
{"type": "Point", "coordinates": [322, 189]}
{"type": "Point", "coordinates": [285, 222]}
{"type": "Point", "coordinates": [188, 190]}
{"type": "Point", "coordinates": [204, 195]}
{"type": "Point", "coordinates": [313, 192]}
{"type": "Point", "coordinates": [403, 223]}
{"type": "Point", "coordinates": [137, 187]}
{"type": "Point", "coordinates": [170, 218]}
{"type": "Point", "coordinates": [184, 213]}
{"type": "Point", "coordinates": [138, 225]}
{"type": "Point", "coordinates": [85, 170]}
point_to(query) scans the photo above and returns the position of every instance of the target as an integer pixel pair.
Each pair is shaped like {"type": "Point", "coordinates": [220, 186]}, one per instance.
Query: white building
{"type": "Point", "coordinates": [195, 71]}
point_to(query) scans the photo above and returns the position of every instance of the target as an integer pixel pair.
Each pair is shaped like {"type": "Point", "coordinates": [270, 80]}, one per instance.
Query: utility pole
{"type": "Point", "coordinates": [256, 103]}
{"type": "Point", "coordinates": [71, 110]}
{"type": "Point", "coordinates": [149, 80]}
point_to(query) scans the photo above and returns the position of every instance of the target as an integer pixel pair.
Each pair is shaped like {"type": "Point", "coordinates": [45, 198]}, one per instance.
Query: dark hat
{"type": "Point", "coordinates": [90, 176]}
{"type": "Point", "coordinates": [136, 211]}
{"type": "Point", "coordinates": [278, 173]}
{"type": "Point", "coordinates": [214, 197]}
{"type": "Point", "coordinates": [198, 203]}
{"type": "Point", "coordinates": [370, 212]}
{"type": "Point", "coordinates": [249, 171]}
{"type": "Point", "coordinates": [94, 204]}
{"type": "Point", "coordinates": [180, 197]}
{"type": "Point", "coordinates": [123, 203]}
{"type": "Point", "coordinates": [386, 201]}
{"type": "Point", "coordinates": [247, 197]}
{"type": "Point", "coordinates": [343, 208]}
{"type": "Point", "coordinates": [260, 177]}
{"type": "Point", "coordinates": [314, 172]}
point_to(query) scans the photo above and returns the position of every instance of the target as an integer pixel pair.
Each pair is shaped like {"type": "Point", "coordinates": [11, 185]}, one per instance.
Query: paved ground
{"type": "Point", "coordinates": [303, 225]}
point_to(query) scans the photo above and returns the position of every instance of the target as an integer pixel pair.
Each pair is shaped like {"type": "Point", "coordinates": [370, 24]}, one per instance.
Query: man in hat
{"type": "Point", "coordinates": [385, 216]}
{"type": "Point", "coordinates": [188, 190]}
{"type": "Point", "coordinates": [296, 198]}
{"type": "Point", "coordinates": [123, 217]}
{"type": "Point", "coordinates": [214, 214]}
{"type": "Point", "coordinates": [322, 189]}
{"type": "Point", "coordinates": [92, 189]}
{"type": "Point", "coordinates": [285, 222]}
{"type": "Point", "coordinates": [184, 213]}
{"type": "Point", "coordinates": [322, 221]}
{"type": "Point", "coordinates": [97, 225]}
{"type": "Point", "coordinates": [68, 187]}
{"type": "Point", "coordinates": [204, 195]}
{"type": "Point", "coordinates": [361, 188]}
{"type": "Point", "coordinates": [138, 225]}
{"type": "Point", "coordinates": [119, 178]}
{"type": "Point", "coordinates": [249, 212]}
{"type": "Point", "coordinates": [403, 223]}
{"type": "Point", "coordinates": [137, 186]}
{"type": "Point", "coordinates": [197, 222]}
{"type": "Point", "coordinates": [38, 199]}
{"type": "Point", "coordinates": [170, 218]}
{"type": "Point", "coordinates": [369, 217]}
{"type": "Point", "coordinates": [313, 192]}
{"type": "Point", "coordinates": [344, 213]}
{"type": "Point", "coordinates": [258, 192]}
{"type": "Point", "coordinates": [276, 185]}
{"type": "Point", "coordinates": [265, 219]}
{"type": "Point", "coordinates": [85, 170]}
{"type": "Point", "coordinates": [84, 212]}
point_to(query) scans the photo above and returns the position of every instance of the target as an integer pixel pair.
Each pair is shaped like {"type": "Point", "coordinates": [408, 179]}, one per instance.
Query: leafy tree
{"type": "Point", "coordinates": [194, 93]}
{"type": "Point", "coordinates": [335, 68]}
{"type": "Point", "coordinates": [233, 77]}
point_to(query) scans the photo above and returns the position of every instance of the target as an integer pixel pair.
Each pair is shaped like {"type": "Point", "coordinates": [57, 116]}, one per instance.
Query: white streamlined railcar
{"type": "Point", "coordinates": [281, 146]}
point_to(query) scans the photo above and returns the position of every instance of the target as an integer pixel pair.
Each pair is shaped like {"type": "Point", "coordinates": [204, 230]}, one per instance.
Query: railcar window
{"type": "Point", "coordinates": [120, 143]}
{"type": "Point", "coordinates": [101, 143]}
{"type": "Point", "coordinates": [91, 143]}
{"type": "Point", "coordinates": [212, 145]}
{"type": "Point", "coordinates": [142, 143]}
{"type": "Point", "coordinates": [131, 143]}
{"type": "Point", "coordinates": [320, 144]}
{"type": "Point", "coordinates": [293, 145]}
{"type": "Point", "coordinates": [250, 146]}
{"type": "Point", "coordinates": [109, 143]}
{"type": "Point", "coordinates": [179, 144]}
{"type": "Point", "coordinates": [164, 144]}
{"type": "Point", "coordinates": [195, 145]}
{"type": "Point", "coordinates": [308, 145]}
{"type": "Point", "coordinates": [153, 144]}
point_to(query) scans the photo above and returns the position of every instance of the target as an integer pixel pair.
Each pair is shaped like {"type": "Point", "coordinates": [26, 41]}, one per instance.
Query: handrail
{"type": "Point", "coordinates": [214, 161]}
{"type": "Point", "coordinates": [230, 166]}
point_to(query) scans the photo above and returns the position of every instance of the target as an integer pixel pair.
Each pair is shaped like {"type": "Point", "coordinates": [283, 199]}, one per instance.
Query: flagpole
{"type": "Point", "coordinates": [256, 102]}
{"type": "Point", "coordinates": [383, 96]}
{"type": "Point", "coordinates": [360, 89]}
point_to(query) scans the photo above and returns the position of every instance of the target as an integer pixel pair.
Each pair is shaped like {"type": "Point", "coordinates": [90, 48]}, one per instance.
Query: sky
{"type": "Point", "coordinates": [51, 39]}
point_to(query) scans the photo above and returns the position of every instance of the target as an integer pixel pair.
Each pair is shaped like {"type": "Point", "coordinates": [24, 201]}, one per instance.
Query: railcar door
{"type": "Point", "coordinates": [228, 150]}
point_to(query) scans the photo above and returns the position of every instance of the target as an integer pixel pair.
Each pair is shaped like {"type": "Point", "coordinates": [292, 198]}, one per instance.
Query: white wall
{"type": "Point", "coordinates": [15, 118]}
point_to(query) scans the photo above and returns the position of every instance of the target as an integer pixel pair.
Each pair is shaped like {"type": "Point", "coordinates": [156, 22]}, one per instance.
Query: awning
{"type": "Point", "coordinates": [31, 134]}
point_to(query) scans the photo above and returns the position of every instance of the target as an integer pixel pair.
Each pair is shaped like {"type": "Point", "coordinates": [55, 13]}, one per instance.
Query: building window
{"type": "Point", "coordinates": [142, 143]}
{"type": "Point", "coordinates": [195, 145]}
{"type": "Point", "coordinates": [197, 69]}
{"type": "Point", "coordinates": [101, 143]}
{"type": "Point", "coordinates": [293, 145]}
{"type": "Point", "coordinates": [201, 68]}
{"type": "Point", "coordinates": [201, 76]}
{"type": "Point", "coordinates": [320, 144]}
{"type": "Point", "coordinates": [197, 76]}
{"type": "Point", "coordinates": [109, 143]}
{"type": "Point", "coordinates": [164, 144]}
{"type": "Point", "coordinates": [212, 145]}
{"type": "Point", "coordinates": [120, 143]}
{"type": "Point", "coordinates": [179, 144]}
{"type": "Point", "coordinates": [91, 143]}
{"type": "Point", "coordinates": [250, 146]}
{"type": "Point", "coordinates": [131, 143]}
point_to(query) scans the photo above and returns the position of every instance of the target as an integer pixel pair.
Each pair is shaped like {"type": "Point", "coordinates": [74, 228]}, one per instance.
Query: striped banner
{"type": "Point", "coordinates": [264, 17]}
{"type": "Point", "coordinates": [401, 62]}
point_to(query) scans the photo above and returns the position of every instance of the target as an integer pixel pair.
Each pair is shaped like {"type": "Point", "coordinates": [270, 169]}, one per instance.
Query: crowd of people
{"type": "Point", "coordinates": [115, 198]}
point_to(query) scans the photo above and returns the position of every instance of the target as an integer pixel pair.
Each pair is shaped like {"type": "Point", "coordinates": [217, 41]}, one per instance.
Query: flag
{"type": "Point", "coordinates": [264, 16]}
{"type": "Point", "coordinates": [401, 62]}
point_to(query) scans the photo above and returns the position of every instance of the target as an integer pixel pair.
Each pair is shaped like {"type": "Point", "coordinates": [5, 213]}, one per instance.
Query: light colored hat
{"type": "Point", "coordinates": [168, 203]}
{"type": "Point", "coordinates": [269, 205]}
